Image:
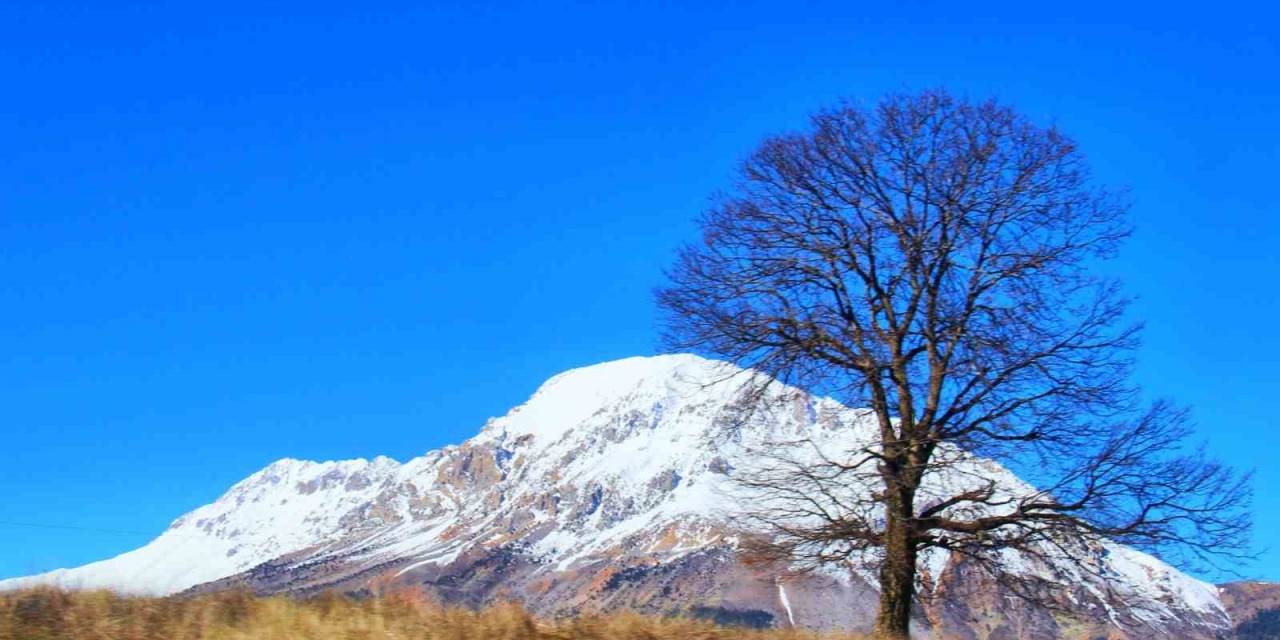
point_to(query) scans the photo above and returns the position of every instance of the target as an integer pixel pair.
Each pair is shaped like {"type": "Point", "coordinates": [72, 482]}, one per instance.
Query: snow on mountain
{"type": "Point", "coordinates": [610, 487]}
{"type": "Point", "coordinates": [289, 505]}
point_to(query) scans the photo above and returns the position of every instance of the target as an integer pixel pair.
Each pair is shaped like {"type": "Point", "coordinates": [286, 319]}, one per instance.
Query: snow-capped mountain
{"type": "Point", "coordinates": [611, 487]}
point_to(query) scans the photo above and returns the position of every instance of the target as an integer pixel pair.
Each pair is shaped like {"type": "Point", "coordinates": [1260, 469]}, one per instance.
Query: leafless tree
{"type": "Point", "coordinates": [940, 262]}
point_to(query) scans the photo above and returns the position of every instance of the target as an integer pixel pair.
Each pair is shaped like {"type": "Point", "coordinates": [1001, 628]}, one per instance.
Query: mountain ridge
{"type": "Point", "coordinates": [611, 487]}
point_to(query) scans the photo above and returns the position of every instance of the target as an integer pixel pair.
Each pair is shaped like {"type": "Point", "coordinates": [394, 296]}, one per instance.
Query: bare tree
{"type": "Point", "coordinates": [938, 262]}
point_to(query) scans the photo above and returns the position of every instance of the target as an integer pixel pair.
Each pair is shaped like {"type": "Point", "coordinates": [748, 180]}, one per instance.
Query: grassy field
{"type": "Point", "coordinates": [47, 614]}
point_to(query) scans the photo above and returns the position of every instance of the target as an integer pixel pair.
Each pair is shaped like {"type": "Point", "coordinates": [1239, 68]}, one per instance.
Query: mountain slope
{"type": "Point", "coordinates": [611, 487]}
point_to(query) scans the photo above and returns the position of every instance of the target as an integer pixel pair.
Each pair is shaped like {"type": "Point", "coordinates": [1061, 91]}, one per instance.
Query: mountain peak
{"type": "Point", "coordinates": [626, 373]}
{"type": "Point", "coordinates": [569, 398]}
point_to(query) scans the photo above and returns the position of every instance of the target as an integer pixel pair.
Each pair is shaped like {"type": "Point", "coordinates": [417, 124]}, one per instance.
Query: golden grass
{"type": "Point", "coordinates": [49, 614]}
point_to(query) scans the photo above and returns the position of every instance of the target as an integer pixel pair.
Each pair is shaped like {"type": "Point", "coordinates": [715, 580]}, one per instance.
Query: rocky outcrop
{"type": "Point", "coordinates": [1254, 608]}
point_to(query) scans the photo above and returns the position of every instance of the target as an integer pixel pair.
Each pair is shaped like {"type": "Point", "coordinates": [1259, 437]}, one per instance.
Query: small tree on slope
{"type": "Point", "coordinates": [934, 260]}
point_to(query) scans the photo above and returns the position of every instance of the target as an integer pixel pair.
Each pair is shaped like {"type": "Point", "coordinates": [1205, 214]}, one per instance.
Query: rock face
{"type": "Point", "coordinates": [1254, 608]}
{"type": "Point", "coordinates": [612, 487]}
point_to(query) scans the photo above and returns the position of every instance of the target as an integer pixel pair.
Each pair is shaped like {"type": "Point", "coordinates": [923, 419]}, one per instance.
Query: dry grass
{"type": "Point", "coordinates": [48, 614]}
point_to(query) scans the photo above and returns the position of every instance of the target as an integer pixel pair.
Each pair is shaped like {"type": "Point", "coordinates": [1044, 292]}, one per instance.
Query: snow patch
{"type": "Point", "coordinates": [786, 604]}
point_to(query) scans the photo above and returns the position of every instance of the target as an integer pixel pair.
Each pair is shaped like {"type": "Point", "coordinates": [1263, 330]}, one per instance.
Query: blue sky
{"type": "Point", "coordinates": [243, 232]}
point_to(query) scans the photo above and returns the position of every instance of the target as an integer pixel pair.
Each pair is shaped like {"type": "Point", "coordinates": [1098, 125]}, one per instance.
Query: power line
{"type": "Point", "coordinates": [36, 525]}
{"type": "Point", "coordinates": [66, 527]}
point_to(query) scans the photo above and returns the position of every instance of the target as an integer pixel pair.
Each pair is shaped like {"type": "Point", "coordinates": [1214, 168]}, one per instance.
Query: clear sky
{"type": "Point", "coordinates": [234, 233]}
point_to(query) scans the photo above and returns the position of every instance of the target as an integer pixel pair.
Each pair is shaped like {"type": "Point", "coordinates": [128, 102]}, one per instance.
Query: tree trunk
{"type": "Point", "coordinates": [897, 577]}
